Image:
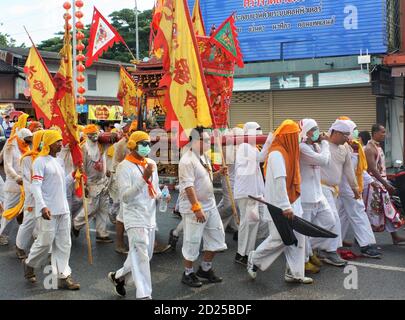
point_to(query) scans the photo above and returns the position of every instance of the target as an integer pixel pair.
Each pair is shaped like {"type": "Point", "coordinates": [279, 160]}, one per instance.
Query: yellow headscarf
{"type": "Point", "coordinates": [49, 138]}
{"type": "Point", "coordinates": [21, 123]}
{"type": "Point", "coordinates": [10, 214]}
{"type": "Point", "coordinates": [111, 149]}
{"type": "Point", "coordinates": [136, 137]}
{"type": "Point", "coordinates": [36, 142]}
{"type": "Point", "coordinates": [91, 129]}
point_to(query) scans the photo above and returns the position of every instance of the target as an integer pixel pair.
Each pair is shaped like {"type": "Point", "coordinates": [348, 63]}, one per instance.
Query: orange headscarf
{"type": "Point", "coordinates": [35, 126]}
{"type": "Point", "coordinates": [286, 142]}
{"type": "Point", "coordinates": [91, 129]}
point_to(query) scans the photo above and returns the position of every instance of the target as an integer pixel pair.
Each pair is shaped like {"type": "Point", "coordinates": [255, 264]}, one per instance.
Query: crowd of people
{"type": "Point", "coordinates": [336, 180]}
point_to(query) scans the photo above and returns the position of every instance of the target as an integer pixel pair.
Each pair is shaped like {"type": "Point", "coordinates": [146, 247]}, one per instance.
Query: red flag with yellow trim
{"type": "Point", "coordinates": [41, 87]}
{"type": "Point", "coordinates": [186, 99]}
{"type": "Point", "coordinates": [66, 100]}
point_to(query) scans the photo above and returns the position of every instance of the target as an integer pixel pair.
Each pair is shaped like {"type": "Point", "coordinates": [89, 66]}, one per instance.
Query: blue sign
{"type": "Point", "coordinates": [295, 29]}
{"type": "Point", "coordinates": [82, 108]}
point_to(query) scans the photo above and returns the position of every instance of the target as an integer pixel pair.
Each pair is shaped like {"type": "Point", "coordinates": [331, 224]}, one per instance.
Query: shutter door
{"type": "Point", "coordinates": [251, 107]}
{"type": "Point", "coordinates": [325, 106]}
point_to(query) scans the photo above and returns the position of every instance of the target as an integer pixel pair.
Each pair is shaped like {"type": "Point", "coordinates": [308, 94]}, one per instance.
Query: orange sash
{"type": "Point", "coordinates": [143, 163]}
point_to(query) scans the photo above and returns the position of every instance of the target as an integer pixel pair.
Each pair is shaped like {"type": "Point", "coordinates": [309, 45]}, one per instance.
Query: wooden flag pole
{"type": "Point", "coordinates": [86, 218]}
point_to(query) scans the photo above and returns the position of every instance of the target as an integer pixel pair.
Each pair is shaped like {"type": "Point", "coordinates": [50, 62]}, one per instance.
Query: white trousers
{"type": "Point", "coordinates": [11, 199]}
{"type": "Point", "coordinates": [271, 248]}
{"type": "Point", "coordinates": [26, 231]}
{"type": "Point", "coordinates": [137, 266]}
{"type": "Point", "coordinates": [251, 217]}
{"type": "Point", "coordinates": [225, 211]}
{"type": "Point", "coordinates": [352, 213]}
{"type": "Point", "coordinates": [320, 214]}
{"type": "Point", "coordinates": [211, 233]}
{"type": "Point", "coordinates": [324, 221]}
{"type": "Point", "coordinates": [54, 237]}
{"type": "Point", "coordinates": [98, 209]}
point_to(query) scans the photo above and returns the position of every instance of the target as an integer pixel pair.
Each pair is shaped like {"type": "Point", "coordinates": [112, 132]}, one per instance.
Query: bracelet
{"type": "Point", "coordinates": [196, 207]}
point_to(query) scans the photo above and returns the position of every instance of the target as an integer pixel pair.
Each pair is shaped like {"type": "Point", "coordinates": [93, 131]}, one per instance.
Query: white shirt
{"type": "Point", "coordinates": [139, 209]}
{"type": "Point", "coordinates": [12, 166]}
{"type": "Point", "coordinates": [312, 158]}
{"type": "Point", "coordinates": [193, 174]}
{"type": "Point", "coordinates": [340, 164]}
{"type": "Point", "coordinates": [344, 189]}
{"type": "Point", "coordinates": [275, 191]}
{"type": "Point", "coordinates": [26, 165]}
{"type": "Point", "coordinates": [248, 176]}
{"type": "Point", "coordinates": [49, 186]}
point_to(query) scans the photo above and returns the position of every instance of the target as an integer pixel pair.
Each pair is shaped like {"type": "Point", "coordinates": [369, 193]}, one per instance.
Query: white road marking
{"type": "Point", "coordinates": [376, 266]}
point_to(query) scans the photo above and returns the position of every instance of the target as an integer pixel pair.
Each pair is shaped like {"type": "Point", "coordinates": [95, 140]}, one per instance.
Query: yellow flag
{"type": "Point", "coordinates": [41, 86]}
{"type": "Point", "coordinates": [128, 93]}
{"type": "Point", "coordinates": [66, 100]}
{"type": "Point", "coordinates": [198, 21]}
{"type": "Point", "coordinates": [186, 99]}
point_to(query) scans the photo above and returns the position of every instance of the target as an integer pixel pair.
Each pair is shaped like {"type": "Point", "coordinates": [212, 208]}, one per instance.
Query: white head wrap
{"type": "Point", "coordinates": [24, 133]}
{"type": "Point", "coordinates": [250, 128]}
{"type": "Point", "coordinates": [238, 131]}
{"type": "Point", "coordinates": [306, 125]}
{"type": "Point", "coordinates": [341, 126]}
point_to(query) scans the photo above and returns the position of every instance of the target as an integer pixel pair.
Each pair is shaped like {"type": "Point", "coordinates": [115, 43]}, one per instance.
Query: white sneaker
{"type": "Point", "coordinates": [289, 278]}
{"type": "Point", "coordinates": [251, 268]}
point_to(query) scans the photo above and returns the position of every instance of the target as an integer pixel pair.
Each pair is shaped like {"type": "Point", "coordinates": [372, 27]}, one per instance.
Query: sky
{"type": "Point", "coordinates": [44, 18]}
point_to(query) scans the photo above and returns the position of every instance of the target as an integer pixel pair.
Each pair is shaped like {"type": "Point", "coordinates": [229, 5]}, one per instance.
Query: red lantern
{"type": "Point", "coordinates": [79, 25]}
{"type": "Point", "coordinates": [81, 100]}
{"type": "Point", "coordinates": [80, 47]}
{"type": "Point", "coordinates": [79, 3]}
{"type": "Point", "coordinates": [80, 57]}
{"type": "Point", "coordinates": [68, 26]}
{"type": "Point", "coordinates": [81, 68]}
{"type": "Point", "coordinates": [67, 16]}
{"type": "Point", "coordinates": [79, 14]}
{"type": "Point", "coordinates": [81, 90]}
{"type": "Point", "coordinates": [80, 36]}
{"type": "Point", "coordinates": [81, 78]}
{"type": "Point", "coordinates": [67, 6]}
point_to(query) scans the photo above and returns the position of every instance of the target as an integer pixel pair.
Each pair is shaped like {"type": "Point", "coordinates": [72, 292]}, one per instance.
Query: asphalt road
{"type": "Point", "coordinates": [377, 279]}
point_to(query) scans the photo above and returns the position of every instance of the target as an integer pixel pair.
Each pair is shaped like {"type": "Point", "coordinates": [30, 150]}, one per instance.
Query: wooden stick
{"type": "Point", "coordinates": [86, 217]}
{"type": "Point", "coordinates": [133, 57]}
{"type": "Point", "coordinates": [228, 184]}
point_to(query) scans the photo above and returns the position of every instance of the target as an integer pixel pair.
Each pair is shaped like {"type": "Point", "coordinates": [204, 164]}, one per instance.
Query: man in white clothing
{"type": "Point", "coordinates": [200, 214]}
{"type": "Point", "coordinates": [13, 151]}
{"type": "Point", "coordinates": [340, 164]}
{"type": "Point", "coordinates": [248, 181]}
{"type": "Point", "coordinates": [314, 154]}
{"type": "Point", "coordinates": [139, 191]}
{"type": "Point", "coordinates": [282, 190]}
{"type": "Point", "coordinates": [25, 231]}
{"type": "Point", "coordinates": [95, 167]}
{"type": "Point", "coordinates": [352, 212]}
{"type": "Point", "coordinates": [52, 212]}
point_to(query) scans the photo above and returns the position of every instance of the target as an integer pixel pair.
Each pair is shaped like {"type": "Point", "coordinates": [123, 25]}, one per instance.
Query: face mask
{"type": "Point", "coordinates": [144, 151]}
{"type": "Point", "coordinates": [41, 145]}
{"type": "Point", "coordinates": [355, 134]}
{"type": "Point", "coordinates": [315, 135]}
{"type": "Point", "coordinates": [94, 138]}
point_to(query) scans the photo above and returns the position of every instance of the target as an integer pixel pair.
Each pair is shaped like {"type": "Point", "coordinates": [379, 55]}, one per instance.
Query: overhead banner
{"type": "Point", "coordinates": [105, 113]}
{"type": "Point", "coordinates": [296, 29]}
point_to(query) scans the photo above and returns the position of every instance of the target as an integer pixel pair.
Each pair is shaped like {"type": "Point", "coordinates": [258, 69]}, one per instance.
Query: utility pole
{"type": "Point", "coordinates": [137, 29]}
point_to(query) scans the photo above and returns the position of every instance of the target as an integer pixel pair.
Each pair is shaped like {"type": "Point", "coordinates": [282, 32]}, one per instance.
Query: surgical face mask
{"type": "Point", "coordinates": [315, 135]}
{"type": "Point", "coordinates": [41, 145]}
{"type": "Point", "coordinates": [94, 137]}
{"type": "Point", "coordinates": [144, 151]}
{"type": "Point", "coordinates": [355, 134]}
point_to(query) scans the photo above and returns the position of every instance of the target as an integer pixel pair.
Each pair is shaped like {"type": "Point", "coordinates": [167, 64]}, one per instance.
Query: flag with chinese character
{"type": "Point", "coordinates": [186, 99]}
{"type": "Point", "coordinates": [42, 89]}
{"type": "Point", "coordinates": [227, 38]}
{"type": "Point", "coordinates": [128, 93]}
{"type": "Point", "coordinates": [102, 37]}
{"type": "Point", "coordinates": [66, 100]}
{"type": "Point", "coordinates": [198, 21]}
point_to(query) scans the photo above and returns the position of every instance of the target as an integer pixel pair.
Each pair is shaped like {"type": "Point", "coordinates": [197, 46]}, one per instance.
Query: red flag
{"type": "Point", "coordinates": [102, 37]}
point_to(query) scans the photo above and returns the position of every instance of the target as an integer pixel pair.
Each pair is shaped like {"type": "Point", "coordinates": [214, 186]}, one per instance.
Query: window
{"type": "Point", "coordinates": [92, 82]}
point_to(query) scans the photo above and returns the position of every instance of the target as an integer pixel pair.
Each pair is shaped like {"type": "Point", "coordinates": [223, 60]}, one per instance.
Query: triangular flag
{"type": "Point", "coordinates": [227, 37]}
{"type": "Point", "coordinates": [102, 37]}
